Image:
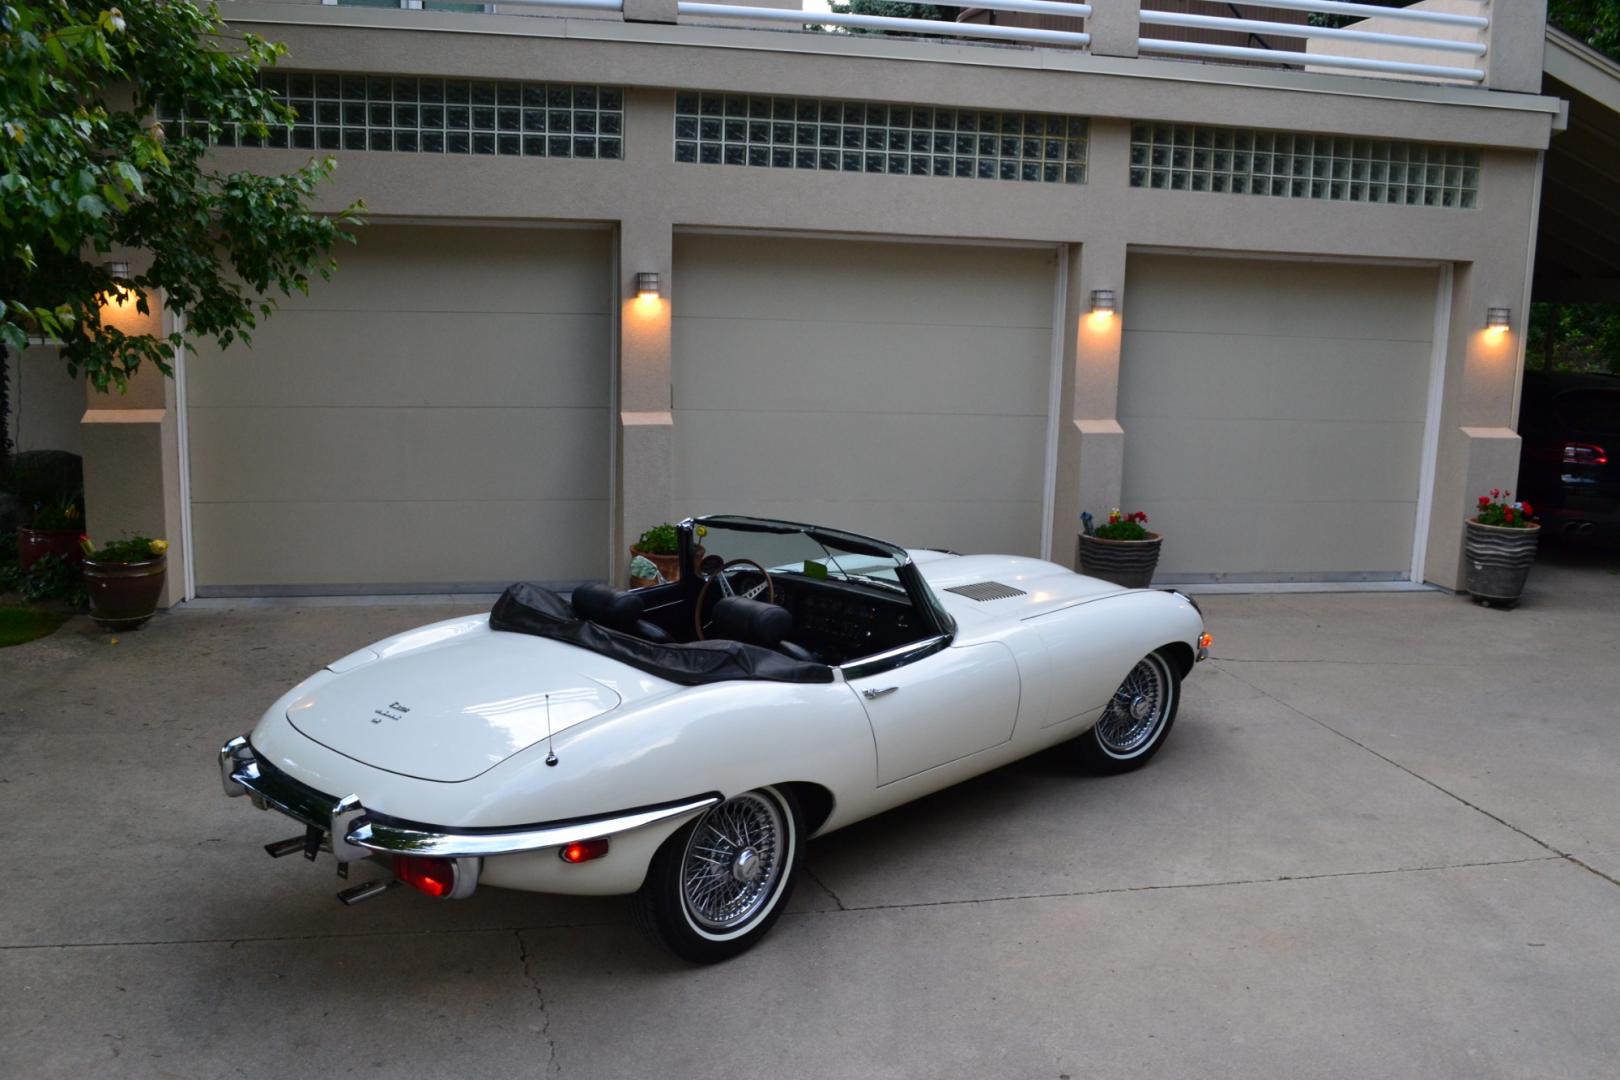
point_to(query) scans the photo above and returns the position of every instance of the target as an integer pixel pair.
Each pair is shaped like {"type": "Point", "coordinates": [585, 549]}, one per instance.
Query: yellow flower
{"type": "Point", "coordinates": [158, 547]}
{"type": "Point", "coordinates": [703, 530]}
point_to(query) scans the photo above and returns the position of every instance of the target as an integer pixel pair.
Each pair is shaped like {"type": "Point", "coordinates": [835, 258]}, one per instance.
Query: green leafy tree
{"type": "Point", "coordinates": [892, 10]}
{"type": "Point", "coordinates": [85, 168]}
{"type": "Point", "coordinates": [1596, 22]}
{"type": "Point", "coordinates": [1574, 337]}
{"type": "Point", "coordinates": [1338, 21]}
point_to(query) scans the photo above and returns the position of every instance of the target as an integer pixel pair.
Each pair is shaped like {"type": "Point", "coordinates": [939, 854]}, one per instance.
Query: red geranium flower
{"type": "Point", "coordinates": [1496, 493]}
{"type": "Point", "coordinates": [1527, 509]}
{"type": "Point", "coordinates": [1484, 500]}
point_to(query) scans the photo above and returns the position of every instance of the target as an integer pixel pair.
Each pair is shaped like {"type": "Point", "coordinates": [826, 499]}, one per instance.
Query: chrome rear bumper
{"type": "Point", "coordinates": [357, 833]}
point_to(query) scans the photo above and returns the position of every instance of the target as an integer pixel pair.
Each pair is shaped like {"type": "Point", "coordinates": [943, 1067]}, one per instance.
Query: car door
{"type": "Point", "coordinates": [956, 702]}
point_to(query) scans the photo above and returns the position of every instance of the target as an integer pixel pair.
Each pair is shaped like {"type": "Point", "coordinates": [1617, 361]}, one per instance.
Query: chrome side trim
{"type": "Point", "coordinates": [888, 661]}
{"type": "Point", "coordinates": [357, 832]}
{"type": "Point", "coordinates": [401, 839]}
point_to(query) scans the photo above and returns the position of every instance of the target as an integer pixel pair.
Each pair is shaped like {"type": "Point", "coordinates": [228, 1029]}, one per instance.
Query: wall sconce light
{"type": "Point", "coordinates": [120, 297]}
{"type": "Point", "coordinates": [1498, 320]}
{"type": "Point", "coordinates": [1103, 302]}
{"type": "Point", "coordinates": [647, 285]}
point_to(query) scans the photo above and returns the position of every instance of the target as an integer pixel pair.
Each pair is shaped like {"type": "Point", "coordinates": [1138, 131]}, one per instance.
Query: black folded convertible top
{"type": "Point", "coordinates": [527, 608]}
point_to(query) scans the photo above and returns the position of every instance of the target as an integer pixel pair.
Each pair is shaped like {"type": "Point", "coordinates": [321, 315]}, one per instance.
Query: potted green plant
{"type": "Point", "coordinates": [124, 580]}
{"type": "Point", "coordinates": [661, 546]}
{"type": "Point", "coordinates": [1499, 547]}
{"type": "Point", "coordinates": [1121, 550]}
{"type": "Point", "coordinates": [52, 529]}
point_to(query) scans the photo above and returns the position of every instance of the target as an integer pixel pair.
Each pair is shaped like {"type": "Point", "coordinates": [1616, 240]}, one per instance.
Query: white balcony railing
{"type": "Point", "coordinates": [1031, 35]}
{"type": "Point", "coordinates": [1412, 41]}
{"type": "Point", "coordinates": [1434, 40]}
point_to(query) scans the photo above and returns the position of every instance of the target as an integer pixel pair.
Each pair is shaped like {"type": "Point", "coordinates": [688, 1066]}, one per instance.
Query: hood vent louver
{"type": "Point", "coordinates": [987, 590]}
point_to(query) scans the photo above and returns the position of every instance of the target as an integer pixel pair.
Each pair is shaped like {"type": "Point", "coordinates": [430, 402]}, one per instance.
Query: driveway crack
{"type": "Point", "coordinates": [553, 1067]}
{"type": "Point", "coordinates": [811, 874]}
{"type": "Point", "coordinates": [1180, 886]}
{"type": "Point", "coordinates": [1353, 741]}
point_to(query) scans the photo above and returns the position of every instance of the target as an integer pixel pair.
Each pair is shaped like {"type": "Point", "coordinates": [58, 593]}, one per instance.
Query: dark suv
{"type": "Point", "coordinates": [1570, 468]}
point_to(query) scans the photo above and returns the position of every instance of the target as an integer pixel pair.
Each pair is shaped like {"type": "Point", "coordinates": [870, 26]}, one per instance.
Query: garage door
{"type": "Point", "coordinates": [891, 389]}
{"type": "Point", "coordinates": [1274, 415]}
{"type": "Point", "coordinates": [434, 418]}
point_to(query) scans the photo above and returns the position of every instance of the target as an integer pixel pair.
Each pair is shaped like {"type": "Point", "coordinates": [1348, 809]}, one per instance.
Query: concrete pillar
{"type": "Point", "coordinates": [1478, 446]}
{"type": "Point", "coordinates": [1091, 445]}
{"type": "Point", "coordinates": [1115, 26]}
{"type": "Point", "coordinates": [1515, 44]}
{"type": "Point", "coordinates": [646, 426]}
{"type": "Point", "coordinates": [131, 449]}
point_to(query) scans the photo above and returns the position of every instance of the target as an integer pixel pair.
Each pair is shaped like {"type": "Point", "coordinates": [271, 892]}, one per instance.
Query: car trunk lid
{"type": "Point", "coordinates": [452, 711]}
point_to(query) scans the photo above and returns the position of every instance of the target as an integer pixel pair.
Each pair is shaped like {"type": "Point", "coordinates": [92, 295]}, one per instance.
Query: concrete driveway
{"type": "Point", "coordinates": [1384, 840]}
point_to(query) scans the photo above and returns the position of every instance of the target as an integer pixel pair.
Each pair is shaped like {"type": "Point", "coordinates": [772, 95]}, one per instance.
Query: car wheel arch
{"type": "Point", "coordinates": [815, 803]}
{"type": "Point", "coordinates": [1182, 654]}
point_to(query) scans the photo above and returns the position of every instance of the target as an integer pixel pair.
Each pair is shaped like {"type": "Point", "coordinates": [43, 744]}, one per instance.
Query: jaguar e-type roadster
{"type": "Point", "coordinates": [681, 742]}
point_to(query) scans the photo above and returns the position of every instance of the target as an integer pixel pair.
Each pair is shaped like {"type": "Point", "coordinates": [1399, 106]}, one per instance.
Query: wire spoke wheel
{"type": "Point", "coordinates": [733, 861]}
{"type": "Point", "coordinates": [1138, 716]}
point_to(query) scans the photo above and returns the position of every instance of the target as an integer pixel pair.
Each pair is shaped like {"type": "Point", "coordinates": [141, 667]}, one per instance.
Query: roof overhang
{"type": "Point", "coordinates": [1578, 243]}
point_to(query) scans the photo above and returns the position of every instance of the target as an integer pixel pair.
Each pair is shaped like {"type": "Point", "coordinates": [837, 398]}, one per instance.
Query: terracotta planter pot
{"type": "Point", "coordinates": [668, 565]}
{"type": "Point", "coordinates": [33, 544]}
{"type": "Point", "coordinates": [124, 595]}
{"type": "Point", "coordinates": [1498, 561]}
{"type": "Point", "coordinates": [1124, 562]}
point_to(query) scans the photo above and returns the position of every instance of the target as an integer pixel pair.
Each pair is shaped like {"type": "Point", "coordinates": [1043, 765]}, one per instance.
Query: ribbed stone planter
{"type": "Point", "coordinates": [1499, 561]}
{"type": "Point", "coordinates": [1124, 562]}
{"type": "Point", "coordinates": [124, 595]}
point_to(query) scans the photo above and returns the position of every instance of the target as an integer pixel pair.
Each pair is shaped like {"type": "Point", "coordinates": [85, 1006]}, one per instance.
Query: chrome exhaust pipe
{"type": "Point", "coordinates": [366, 891]}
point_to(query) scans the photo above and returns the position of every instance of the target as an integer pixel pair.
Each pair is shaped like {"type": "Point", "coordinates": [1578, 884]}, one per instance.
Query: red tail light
{"type": "Point", "coordinates": [1579, 453]}
{"type": "Point", "coordinates": [436, 877]}
{"type": "Point", "coordinates": [584, 850]}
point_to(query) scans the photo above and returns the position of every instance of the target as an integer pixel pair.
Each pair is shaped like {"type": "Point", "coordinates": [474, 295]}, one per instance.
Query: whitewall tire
{"type": "Point", "coordinates": [718, 885]}
{"type": "Point", "coordinates": [1137, 720]}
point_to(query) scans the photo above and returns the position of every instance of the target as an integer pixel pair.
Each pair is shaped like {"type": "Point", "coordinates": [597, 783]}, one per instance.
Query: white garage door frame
{"type": "Point", "coordinates": [175, 320]}
{"type": "Point", "coordinates": [1060, 284]}
{"type": "Point", "coordinates": [1439, 347]}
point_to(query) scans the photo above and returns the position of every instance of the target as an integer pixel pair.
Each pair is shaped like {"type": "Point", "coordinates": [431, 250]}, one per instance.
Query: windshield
{"type": "Point", "coordinates": [820, 554]}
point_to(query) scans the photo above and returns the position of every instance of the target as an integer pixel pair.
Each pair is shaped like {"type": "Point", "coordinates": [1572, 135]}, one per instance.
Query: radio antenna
{"type": "Point", "coordinates": [551, 755]}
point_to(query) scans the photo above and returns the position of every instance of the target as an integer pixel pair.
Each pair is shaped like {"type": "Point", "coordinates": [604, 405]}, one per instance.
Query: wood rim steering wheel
{"type": "Point", "coordinates": [768, 587]}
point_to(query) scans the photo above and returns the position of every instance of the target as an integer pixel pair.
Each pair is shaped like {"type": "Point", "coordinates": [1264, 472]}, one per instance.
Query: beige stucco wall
{"type": "Point", "coordinates": [648, 198]}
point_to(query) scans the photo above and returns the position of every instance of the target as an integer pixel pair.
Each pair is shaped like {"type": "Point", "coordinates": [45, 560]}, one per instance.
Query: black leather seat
{"type": "Point", "coordinates": [758, 623]}
{"type": "Point", "coordinates": [617, 610]}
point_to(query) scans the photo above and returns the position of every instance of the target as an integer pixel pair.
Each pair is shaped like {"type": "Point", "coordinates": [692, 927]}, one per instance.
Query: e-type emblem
{"type": "Point", "coordinates": [394, 711]}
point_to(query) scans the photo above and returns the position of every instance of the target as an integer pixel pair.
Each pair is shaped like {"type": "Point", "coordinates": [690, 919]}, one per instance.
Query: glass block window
{"type": "Point", "coordinates": [1240, 161]}
{"type": "Point", "coordinates": [873, 137]}
{"type": "Point", "coordinates": [435, 116]}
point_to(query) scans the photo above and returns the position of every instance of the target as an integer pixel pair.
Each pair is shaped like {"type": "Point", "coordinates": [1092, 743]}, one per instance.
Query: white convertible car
{"type": "Point", "coordinates": [681, 742]}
